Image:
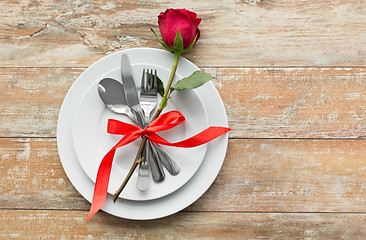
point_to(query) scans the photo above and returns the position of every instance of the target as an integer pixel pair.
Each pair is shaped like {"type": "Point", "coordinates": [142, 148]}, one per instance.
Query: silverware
{"type": "Point", "coordinates": [148, 99]}
{"type": "Point", "coordinates": [130, 90]}
{"type": "Point", "coordinates": [167, 161]}
{"type": "Point", "coordinates": [157, 171]}
{"type": "Point", "coordinates": [133, 102]}
{"type": "Point", "coordinates": [143, 180]}
{"type": "Point", "coordinates": [149, 92]}
{"type": "Point", "coordinates": [112, 94]}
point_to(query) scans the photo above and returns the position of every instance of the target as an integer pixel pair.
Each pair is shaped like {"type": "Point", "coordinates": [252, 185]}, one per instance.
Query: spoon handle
{"type": "Point", "coordinates": [172, 167]}
{"type": "Point", "coordinates": [157, 171]}
{"type": "Point", "coordinates": [143, 181]}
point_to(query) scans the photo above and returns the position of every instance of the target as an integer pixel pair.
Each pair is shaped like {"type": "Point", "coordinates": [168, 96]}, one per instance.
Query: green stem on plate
{"type": "Point", "coordinates": [137, 161]}
{"type": "Point", "coordinates": [168, 89]}
{"type": "Point", "coordinates": [162, 105]}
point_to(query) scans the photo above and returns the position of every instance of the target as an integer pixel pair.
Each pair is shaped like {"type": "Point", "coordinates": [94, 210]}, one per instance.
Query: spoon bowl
{"type": "Point", "coordinates": [112, 94]}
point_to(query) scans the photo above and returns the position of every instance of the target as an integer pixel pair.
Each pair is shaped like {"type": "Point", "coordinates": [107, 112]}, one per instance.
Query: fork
{"type": "Point", "coordinates": [148, 98]}
{"type": "Point", "coordinates": [149, 92]}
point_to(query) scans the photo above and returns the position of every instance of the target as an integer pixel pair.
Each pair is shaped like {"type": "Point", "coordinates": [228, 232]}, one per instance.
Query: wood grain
{"type": "Point", "coordinates": [289, 176]}
{"type": "Point", "coordinates": [233, 33]}
{"type": "Point", "coordinates": [71, 224]}
{"type": "Point", "coordinates": [260, 102]}
{"type": "Point", "coordinates": [292, 76]}
{"type": "Point", "coordinates": [257, 175]}
{"type": "Point", "coordinates": [294, 102]}
{"type": "Point", "coordinates": [32, 176]}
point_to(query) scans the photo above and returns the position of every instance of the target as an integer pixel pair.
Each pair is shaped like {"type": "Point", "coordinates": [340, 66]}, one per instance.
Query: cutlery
{"type": "Point", "coordinates": [143, 180]}
{"type": "Point", "coordinates": [112, 94]}
{"type": "Point", "coordinates": [148, 99]}
{"type": "Point", "coordinates": [149, 92]}
{"type": "Point", "coordinates": [157, 171]}
{"type": "Point", "coordinates": [130, 91]}
{"type": "Point", "coordinates": [167, 161]}
{"type": "Point", "coordinates": [115, 97]}
{"type": "Point", "coordinates": [133, 102]}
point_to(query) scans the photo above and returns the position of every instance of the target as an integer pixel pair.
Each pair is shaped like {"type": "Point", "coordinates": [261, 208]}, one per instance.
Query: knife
{"type": "Point", "coordinates": [133, 102]}
{"type": "Point", "coordinates": [130, 90]}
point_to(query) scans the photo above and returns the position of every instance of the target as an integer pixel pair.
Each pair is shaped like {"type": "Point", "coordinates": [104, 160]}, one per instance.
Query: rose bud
{"type": "Point", "coordinates": [179, 29]}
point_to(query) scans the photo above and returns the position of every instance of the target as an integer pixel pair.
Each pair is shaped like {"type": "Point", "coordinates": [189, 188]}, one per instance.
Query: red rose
{"type": "Point", "coordinates": [183, 20]}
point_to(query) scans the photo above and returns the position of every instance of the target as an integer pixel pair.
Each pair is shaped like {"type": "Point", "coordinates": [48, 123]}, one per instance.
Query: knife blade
{"type": "Point", "coordinates": [130, 90]}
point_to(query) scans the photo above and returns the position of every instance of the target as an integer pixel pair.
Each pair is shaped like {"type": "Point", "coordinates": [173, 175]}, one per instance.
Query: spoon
{"type": "Point", "coordinates": [112, 94]}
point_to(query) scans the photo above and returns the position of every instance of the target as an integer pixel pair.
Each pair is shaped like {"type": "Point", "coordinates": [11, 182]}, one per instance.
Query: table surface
{"type": "Point", "coordinates": [292, 76]}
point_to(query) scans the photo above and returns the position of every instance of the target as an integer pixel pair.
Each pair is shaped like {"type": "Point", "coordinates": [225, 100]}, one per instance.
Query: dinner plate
{"type": "Point", "coordinates": [169, 204]}
{"type": "Point", "coordinates": [92, 142]}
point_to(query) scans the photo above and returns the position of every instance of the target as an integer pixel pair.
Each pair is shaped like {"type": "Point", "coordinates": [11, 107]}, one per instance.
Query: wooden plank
{"type": "Point", "coordinates": [32, 176]}
{"type": "Point", "coordinates": [260, 102]}
{"type": "Point", "coordinates": [290, 176]}
{"type": "Point", "coordinates": [257, 175]}
{"type": "Point", "coordinates": [294, 102]}
{"type": "Point", "coordinates": [233, 33]}
{"type": "Point", "coordinates": [71, 224]}
{"type": "Point", "coordinates": [31, 99]}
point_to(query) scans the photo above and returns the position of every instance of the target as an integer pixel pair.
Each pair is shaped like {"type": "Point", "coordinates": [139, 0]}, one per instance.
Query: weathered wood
{"type": "Point", "coordinates": [31, 98]}
{"type": "Point", "coordinates": [262, 53]}
{"type": "Point", "coordinates": [260, 102]}
{"type": "Point", "coordinates": [31, 176]}
{"type": "Point", "coordinates": [294, 102]}
{"type": "Point", "coordinates": [71, 224]}
{"type": "Point", "coordinates": [257, 175]}
{"type": "Point", "coordinates": [290, 176]}
{"type": "Point", "coordinates": [233, 33]}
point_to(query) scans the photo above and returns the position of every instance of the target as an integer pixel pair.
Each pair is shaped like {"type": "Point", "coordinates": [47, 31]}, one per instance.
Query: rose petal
{"type": "Point", "coordinates": [172, 20]}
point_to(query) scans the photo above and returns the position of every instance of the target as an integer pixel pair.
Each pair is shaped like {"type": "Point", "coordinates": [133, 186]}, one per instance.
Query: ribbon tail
{"type": "Point", "coordinates": [203, 137]}
{"type": "Point", "coordinates": [101, 183]}
{"type": "Point", "coordinates": [104, 171]}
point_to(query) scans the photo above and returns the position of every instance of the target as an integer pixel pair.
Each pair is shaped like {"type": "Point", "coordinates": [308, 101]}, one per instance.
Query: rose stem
{"type": "Point", "coordinates": [162, 105]}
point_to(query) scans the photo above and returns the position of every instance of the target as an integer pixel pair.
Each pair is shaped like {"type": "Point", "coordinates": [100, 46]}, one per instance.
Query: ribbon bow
{"type": "Point", "coordinates": [164, 122]}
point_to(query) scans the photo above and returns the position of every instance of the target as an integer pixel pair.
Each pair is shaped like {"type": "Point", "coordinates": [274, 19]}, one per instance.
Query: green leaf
{"type": "Point", "coordinates": [161, 89]}
{"type": "Point", "coordinates": [166, 46]}
{"type": "Point", "coordinates": [196, 79]}
{"type": "Point", "coordinates": [178, 41]}
{"type": "Point", "coordinates": [192, 44]}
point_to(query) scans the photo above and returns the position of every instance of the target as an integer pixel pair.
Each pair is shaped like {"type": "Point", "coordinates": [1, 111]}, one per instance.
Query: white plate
{"type": "Point", "coordinates": [167, 205]}
{"type": "Point", "coordinates": [92, 142]}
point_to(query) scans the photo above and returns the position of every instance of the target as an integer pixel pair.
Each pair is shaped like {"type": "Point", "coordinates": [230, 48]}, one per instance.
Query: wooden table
{"type": "Point", "coordinates": [292, 75]}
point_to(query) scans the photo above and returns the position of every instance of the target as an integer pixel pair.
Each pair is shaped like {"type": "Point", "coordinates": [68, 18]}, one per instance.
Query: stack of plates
{"type": "Point", "coordinates": [83, 140]}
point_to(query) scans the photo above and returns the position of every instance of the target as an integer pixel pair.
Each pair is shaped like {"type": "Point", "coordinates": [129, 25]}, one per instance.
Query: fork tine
{"type": "Point", "coordinates": [155, 80]}
{"type": "Point", "coordinates": [143, 80]}
{"type": "Point", "coordinates": [150, 80]}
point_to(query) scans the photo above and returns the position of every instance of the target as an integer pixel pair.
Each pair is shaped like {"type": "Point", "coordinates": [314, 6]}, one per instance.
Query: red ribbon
{"type": "Point", "coordinates": [132, 132]}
